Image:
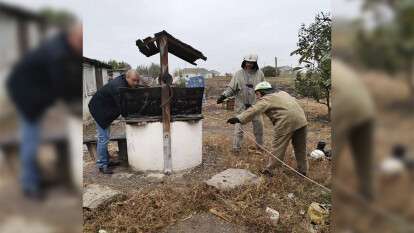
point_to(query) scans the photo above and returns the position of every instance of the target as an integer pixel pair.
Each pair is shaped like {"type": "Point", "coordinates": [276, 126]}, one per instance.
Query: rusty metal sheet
{"type": "Point", "coordinates": [180, 49]}
{"type": "Point", "coordinates": [186, 101]}
{"type": "Point", "coordinates": [96, 63]}
{"type": "Point", "coordinates": [140, 102]}
{"type": "Point", "coordinates": [21, 12]}
{"type": "Point", "coordinates": [146, 102]}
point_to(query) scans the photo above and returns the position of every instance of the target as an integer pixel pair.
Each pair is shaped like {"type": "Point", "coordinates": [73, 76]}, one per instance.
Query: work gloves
{"type": "Point", "coordinates": [233, 120]}
{"type": "Point", "coordinates": [221, 99]}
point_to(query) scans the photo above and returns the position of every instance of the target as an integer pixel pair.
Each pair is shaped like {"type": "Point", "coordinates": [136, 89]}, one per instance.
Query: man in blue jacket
{"type": "Point", "coordinates": [105, 108]}
{"type": "Point", "coordinates": [44, 75]}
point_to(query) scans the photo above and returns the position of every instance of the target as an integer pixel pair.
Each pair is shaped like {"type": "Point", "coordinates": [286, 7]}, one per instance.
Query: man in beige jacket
{"type": "Point", "coordinates": [242, 87]}
{"type": "Point", "coordinates": [289, 124]}
{"type": "Point", "coordinates": [353, 121]}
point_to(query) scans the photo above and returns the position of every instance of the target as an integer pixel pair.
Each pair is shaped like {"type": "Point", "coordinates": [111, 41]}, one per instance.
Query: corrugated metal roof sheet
{"type": "Point", "coordinates": [96, 63]}
{"type": "Point", "coordinates": [19, 11]}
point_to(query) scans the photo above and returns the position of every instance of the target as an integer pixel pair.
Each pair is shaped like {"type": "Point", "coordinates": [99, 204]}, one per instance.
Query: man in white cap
{"type": "Point", "coordinates": [289, 124]}
{"type": "Point", "coordinates": [242, 87]}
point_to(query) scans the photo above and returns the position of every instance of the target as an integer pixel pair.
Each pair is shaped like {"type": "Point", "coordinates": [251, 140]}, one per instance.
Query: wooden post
{"type": "Point", "coordinates": [123, 152]}
{"type": "Point", "coordinates": [166, 106]}
{"type": "Point", "coordinates": [63, 163]}
{"type": "Point", "coordinates": [92, 150]}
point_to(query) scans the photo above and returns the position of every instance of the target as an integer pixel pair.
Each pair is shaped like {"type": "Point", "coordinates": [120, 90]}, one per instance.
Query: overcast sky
{"type": "Point", "coordinates": [346, 9]}
{"type": "Point", "coordinates": [224, 31]}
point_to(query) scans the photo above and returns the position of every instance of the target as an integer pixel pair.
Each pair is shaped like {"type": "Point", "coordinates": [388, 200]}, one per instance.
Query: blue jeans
{"type": "Point", "coordinates": [102, 147]}
{"type": "Point", "coordinates": [30, 137]}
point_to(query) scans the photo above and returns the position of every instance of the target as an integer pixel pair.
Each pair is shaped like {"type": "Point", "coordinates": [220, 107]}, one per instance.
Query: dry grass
{"type": "Point", "coordinates": [152, 207]}
{"type": "Point", "coordinates": [394, 124]}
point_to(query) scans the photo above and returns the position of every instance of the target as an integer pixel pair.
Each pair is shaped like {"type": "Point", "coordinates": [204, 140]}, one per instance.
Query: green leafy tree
{"type": "Point", "coordinates": [390, 46]}
{"type": "Point", "coordinates": [118, 64]}
{"type": "Point", "coordinates": [314, 50]}
{"type": "Point", "coordinates": [269, 71]}
{"type": "Point", "coordinates": [143, 69]}
{"type": "Point", "coordinates": [152, 70]}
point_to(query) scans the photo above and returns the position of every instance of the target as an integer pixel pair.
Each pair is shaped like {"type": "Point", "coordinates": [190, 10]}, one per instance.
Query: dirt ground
{"type": "Point", "coordinates": [183, 203]}
{"type": "Point", "coordinates": [60, 212]}
{"type": "Point", "coordinates": [393, 202]}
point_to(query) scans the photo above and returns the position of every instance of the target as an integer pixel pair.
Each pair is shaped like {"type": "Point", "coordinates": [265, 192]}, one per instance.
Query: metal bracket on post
{"type": "Point", "coordinates": [166, 105]}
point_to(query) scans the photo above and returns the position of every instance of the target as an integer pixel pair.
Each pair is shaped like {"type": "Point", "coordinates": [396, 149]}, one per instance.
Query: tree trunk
{"type": "Point", "coordinates": [329, 108]}
{"type": "Point", "coordinates": [328, 104]}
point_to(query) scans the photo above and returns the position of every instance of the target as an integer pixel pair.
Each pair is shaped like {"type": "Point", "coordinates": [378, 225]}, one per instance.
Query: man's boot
{"type": "Point", "coordinates": [35, 195]}
{"type": "Point", "coordinates": [105, 170]}
{"type": "Point", "coordinates": [114, 163]}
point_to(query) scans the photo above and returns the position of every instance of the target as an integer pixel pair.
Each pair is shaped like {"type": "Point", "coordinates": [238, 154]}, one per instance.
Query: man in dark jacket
{"type": "Point", "coordinates": [105, 108]}
{"type": "Point", "coordinates": [48, 73]}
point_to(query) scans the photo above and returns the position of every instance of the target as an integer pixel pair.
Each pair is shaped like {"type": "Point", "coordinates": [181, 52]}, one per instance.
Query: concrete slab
{"type": "Point", "coordinates": [204, 223]}
{"type": "Point", "coordinates": [122, 175]}
{"type": "Point", "coordinates": [95, 195]}
{"type": "Point", "coordinates": [155, 175]}
{"type": "Point", "coordinates": [232, 178]}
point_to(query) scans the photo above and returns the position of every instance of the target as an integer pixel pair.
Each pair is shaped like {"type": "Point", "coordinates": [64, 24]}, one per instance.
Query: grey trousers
{"type": "Point", "coordinates": [257, 130]}
{"type": "Point", "coordinates": [360, 139]}
{"type": "Point", "coordinates": [280, 144]}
